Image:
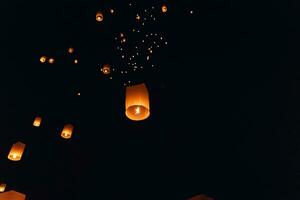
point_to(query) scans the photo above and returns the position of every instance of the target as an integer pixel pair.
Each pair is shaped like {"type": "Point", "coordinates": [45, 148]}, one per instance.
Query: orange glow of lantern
{"type": "Point", "coordinates": [43, 59]}
{"type": "Point", "coordinates": [2, 187]}
{"type": "Point", "coordinates": [67, 131]}
{"type": "Point", "coordinates": [164, 8]}
{"type": "Point", "coordinates": [71, 50]}
{"type": "Point", "coordinates": [137, 106]}
{"type": "Point", "coordinates": [106, 69]}
{"type": "Point", "coordinates": [16, 151]}
{"type": "Point", "coordinates": [12, 195]}
{"type": "Point", "coordinates": [99, 16]}
{"type": "Point", "coordinates": [37, 121]}
{"type": "Point", "coordinates": [51, 60]}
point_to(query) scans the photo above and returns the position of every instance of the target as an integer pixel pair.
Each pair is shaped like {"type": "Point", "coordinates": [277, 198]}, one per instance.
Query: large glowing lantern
{"type": "Point", "coordinates": [16, 151]}
{"type": "Point", "coordinates": [99, 16]}
{"type": "Point", "coordinates": [2, 187]}
{"type": "Point", "coordinates": [67, 131]}
{"type": "Point", "coordinates": [37, 121]}
{"type": "Point", "coordinates": [105, 69]}
{"type": "Point", "coordinates": [12, 195]}
{"type": "Point", "coordinates": [137, 102]}
{"type": "Point", "coordinates": [200, 197]}
{"type": "Point", "coordinates": [164, 8]}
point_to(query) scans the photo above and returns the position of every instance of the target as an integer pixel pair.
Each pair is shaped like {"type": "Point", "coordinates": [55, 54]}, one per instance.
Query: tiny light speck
{"type": "Point", "coordinates": [78, 94]}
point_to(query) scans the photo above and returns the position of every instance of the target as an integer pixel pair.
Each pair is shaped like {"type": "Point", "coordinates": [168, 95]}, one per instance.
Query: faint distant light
{"type": "Point", "coordinates": [110, 77]}
{"type": "Point", "coordinates": [112, 11]}
{"type": "Point", "coordinates": [145, 10]}
{"type": "Point", "coordinates": [121, 34]}
{"type": "Point", "coordinates": [137, 17]}
{"type": "Point", "coordinates": [75, 61]}
{"type": "Point", "coordinates": [78, 94]}
{"type": "Point", "coordinates": [71, 50]}
{"type": "Point", "coordinates": [166, 42]}
{"type": "Point", "coordinates": [130, 4]}
{"type": "Point", "coordinates": [123, 40]}
{"type": "Point", "coordinates": [51, 60]}
{"type": "Point", "coordinates": [164, 8]}
{"type": "Point", "coordinates": [133, 30]}
{"type": "Point", "coordinates": [143, 24]}
{"type": "Point", "coordinates": [191, 12]}
{"type": "Point", "coordinates": [123, 56]}
{"type": "Point", "coordinates": [153, 7]}
{"type": "Point", "coordinates": [99, 16]}
{"type": "Point", "coordinates": [43, 59]}
{"type": "Point", "coordinates": [106, 69]}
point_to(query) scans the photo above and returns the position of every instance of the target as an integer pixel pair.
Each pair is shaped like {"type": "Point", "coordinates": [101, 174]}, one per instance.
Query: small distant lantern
{"type": "Point", "coordinates": [99, 16]}
{"type": "Point", "coordinates": [16, 151]}
{"type": "Point", "coordinates": [2, 187]}
{"type": "Point", "coordinates": [76, 61]}
{"type": "Point", "coordinates": [43, 59]}
{"type": "Point", "coordinates": [67, 131]}
{"type": "Point", "coordinates": [137, 106]}
{"type": "Point", "coordinates": [12, 195]}
{"type": "Point", "coordinates": [137, 17]}
{"type": "Point", "coordinates": [200, 197]}
{"type": "Point", "coordinates": [121, 34]}
{"type": "Point", "coordinates": [123, 40]}
{"type": "Point", "coordinates": [51, 60]}
{"type": "Point", "coordinates": [111, 11]}
{"type": "Point", "coordinates": [71, 50]}
{"type": "Point", "coordinates": [37, 121]}
{"type": "Point", "coordinates": [164, 8]}
{"type": "Point", "coordinates": [106, 69]}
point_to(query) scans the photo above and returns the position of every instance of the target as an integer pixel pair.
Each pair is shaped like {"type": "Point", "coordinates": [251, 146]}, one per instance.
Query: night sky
{"type": "Point", "coordinates": [223, 79]}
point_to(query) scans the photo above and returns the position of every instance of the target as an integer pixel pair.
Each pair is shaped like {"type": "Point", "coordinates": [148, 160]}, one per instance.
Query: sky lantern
{"type": "Point", "coordinates": [16, 151]}
{"type": "Point", "coordinates": [99, 16]}
{"type": "Point", "coordinates": [200, 197]}
{"type": "Point", "coordinates": [43, 59]}
{"type": "Point", "coordinates": [106, 69]}
{"type": "Point", "coordinates": [37, 121]}
{"type": "Point", "coordinates": [67, 131]}
{"type": "Point", "coordinates": [51, 60]}
{"type": "Point", "coordinates": [137, 104]}
{"type": "Point", "coordinates": [2, 187]}
{"type": "Point", "coordinates": [71, 50]}
{"type": "Point", "coordinates": [12, 195]}
{"type": "Point", "coordinates": [112, 11]}
{"type": "Point", "coordinates": [164, 8]}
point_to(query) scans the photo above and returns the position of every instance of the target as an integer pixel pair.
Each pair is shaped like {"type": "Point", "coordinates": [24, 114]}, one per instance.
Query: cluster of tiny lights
{"type": "Point", "coordinates": [137, 46]}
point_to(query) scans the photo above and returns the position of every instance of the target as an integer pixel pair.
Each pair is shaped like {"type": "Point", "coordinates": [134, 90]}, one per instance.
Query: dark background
{"type": "Point", "coordinates": [224, 103]}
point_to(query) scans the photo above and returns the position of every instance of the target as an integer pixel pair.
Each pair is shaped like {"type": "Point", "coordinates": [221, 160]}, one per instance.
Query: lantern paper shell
{"type": "Point", "coordinates": [16, 151]}
{"type": "Point", "coordinates": [164, 8]}
{"type": "Point", "coordinates": [2, 187]}
{"type": "Point", "coordinates": [12, 195]}
{"type": "Point", "coordinates": [67, 131]}
{"type": "Point", "coordinates": [201, 197]}
{"type": "Point", "coordinates": [99, 16]}
{"type": "Point", "coordinates": [137, 102]}
{"type": "Point", "coordinates": [106, 69]}
{"type": "Point", "coordinates": [37, 121]}
{"type": "Point", "coordinates": [43, 59]}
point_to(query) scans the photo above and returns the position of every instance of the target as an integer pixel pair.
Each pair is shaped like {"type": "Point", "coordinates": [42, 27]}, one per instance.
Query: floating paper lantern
{"type": "Point", "coordinates": [51, 60]}
{"type": "Point", "coordinates": [137, 102]}
{"type": "Point", "coordinates": [75, 61]}
{"type": "Point", "coordinates": [37, 121]}
{"type": "Point", "coordinates": [99, 16]}
{"type": "Point", "coordinates": [164, 8]}
{"type": "Point", "coordinates": [16, 151]}
{"type": "Point", "coordinates": [111, 11]}
{"type": "Point", "coordinates": [106, 69]}
{"type": "Point", "coordinates": [43, 59]}
{"type": "Point", "coordinates": [2, 187]}
{"type": "Point", "coordinates": [71, 50]}
{"type": "Point", "coordinates": [12, 195]}
{"type": "Point", "coordinates": [67, 131]}
{"type": "Point", "coordinates": [200, 197]}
